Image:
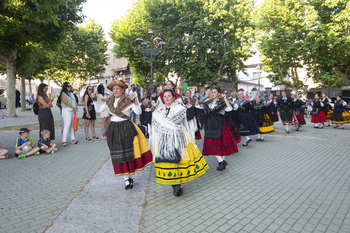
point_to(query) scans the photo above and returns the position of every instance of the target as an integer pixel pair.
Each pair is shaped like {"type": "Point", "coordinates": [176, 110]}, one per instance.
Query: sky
{"type": "Point", "coordinates": [104, 12]}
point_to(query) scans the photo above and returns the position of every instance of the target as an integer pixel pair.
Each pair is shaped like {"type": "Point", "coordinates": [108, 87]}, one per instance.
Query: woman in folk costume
{"type": "Point", "coordinates": [340, 115]}
{"type": "Point", "coordinates": [271, 108]}
{"type": "Point", "coordinates": [298, 110]}
{"type": "Point", "coordinates": [261, 117]}
{"type": "Point", "coordinates": [245, 122]}
{"type": "Point", "coordinates": [318, 114]}
{"type": "Point", "coordinates": [169, 85]}
{"type": "Point", "coordinates": [286, 110]}
{"type": "Point", "coordinates": [177, 158]}
{"type": "Point", "coordinates": [126, 142]}
{"type": "Point", "coordinates": [187, 99]}
{"type": "Point", "coordinates": [327, 108]}
{"type": "Point", "coordinates": [219, 139]}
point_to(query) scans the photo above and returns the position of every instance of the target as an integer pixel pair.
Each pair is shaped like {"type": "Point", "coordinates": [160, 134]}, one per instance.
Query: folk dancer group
{"type": "Point", "coordinates": [173, 122]}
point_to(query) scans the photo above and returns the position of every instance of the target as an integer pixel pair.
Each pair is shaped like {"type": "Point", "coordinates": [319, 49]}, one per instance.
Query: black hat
{"type": "Point", "coordinates": [23, 130]}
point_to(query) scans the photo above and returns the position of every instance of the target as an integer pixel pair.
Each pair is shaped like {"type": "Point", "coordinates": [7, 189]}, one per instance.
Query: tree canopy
{"type": "Point", "coordinates": [305, 34]}
{"type": "Point", "coordinates": [81, 54]}
{"type": "Point", "coordinates": [23, 23]}
{"type": "Point", "coordinates": [205, 39]}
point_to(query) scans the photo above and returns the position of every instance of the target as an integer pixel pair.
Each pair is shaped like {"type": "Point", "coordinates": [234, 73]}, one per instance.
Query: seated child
{"type": "Point", "coordinates": [24, 145]}
{"type": "Point", "coordinates": [45, 143]}
{"type": "Point", "coordinates": [3, 153]}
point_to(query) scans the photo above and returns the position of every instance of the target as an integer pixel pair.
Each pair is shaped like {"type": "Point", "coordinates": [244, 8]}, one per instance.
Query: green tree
{"type": "Point", "coordinates": [297, 34]}
{"type": "Point", "coordinates": [205, 39]}
{"type": "Point", "coordinates": [23, 22]}
{"type": "Point", "coordinates": [31, 63]}
{"type": "Point", "coordinates": [81, 54]}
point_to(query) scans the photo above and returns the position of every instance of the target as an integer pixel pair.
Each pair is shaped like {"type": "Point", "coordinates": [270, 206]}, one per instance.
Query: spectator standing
{"type": "Point", "coordinates": [89, 114]}
{"type": "Point", "coordinates": [18, 99]}
{"type": "Point", "coordinates": [246, 95]}
{"type": "Point", "coordinates": [202, 96]}
{"type": "Point", "coordinates": [69, 106]}
{"type": "Point", "coordinates": [130, 93]}
{"type": "Point", "coordinates": [101, 99]}
{"type": "Point", "coordinates": [45, 116]}
{"type": "Point", "coordinates": [154, 97]}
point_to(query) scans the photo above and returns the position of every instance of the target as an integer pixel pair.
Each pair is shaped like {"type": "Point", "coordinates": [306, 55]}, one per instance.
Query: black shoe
{"type": "Point", "coordinates": [177, 190]}
{"type": "Point", "coordinates": [225, 163]}
{"type": "Point", "coordinates": [249, 141]}
{"type": "Point", "coordinates": [288, 131]}
{"type": "Point", "coordinates": [321, 127]}
{"type": "Point", "coordinates": [131, 181]}
{"type": "Point", "coordinates": [127, 184]}
{"type": "Point", "coordinates": [259, 139]}
{"type": "Point", "coordinates": [221, 166]}
{"type": "Point", "coordinates": [315, 126]}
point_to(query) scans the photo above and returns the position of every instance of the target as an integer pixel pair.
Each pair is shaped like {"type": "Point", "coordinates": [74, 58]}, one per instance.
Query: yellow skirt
{"type": "Point", "coordinates": [329, 115]}
{"type": "Point", "coordinates": [267, 126]}
{"type": "Point", "coordinates": [346, 118]}
{"type": "Point", "coordinates": [185, 170]}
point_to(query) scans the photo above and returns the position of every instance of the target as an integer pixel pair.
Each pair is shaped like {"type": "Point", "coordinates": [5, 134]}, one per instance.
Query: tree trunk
{"type": "Point", "coordinates": [11, 88]}
{"type": "Point", "coordinates": [23, 95]}
{"type": "Point", "coordinates": [30, 87]}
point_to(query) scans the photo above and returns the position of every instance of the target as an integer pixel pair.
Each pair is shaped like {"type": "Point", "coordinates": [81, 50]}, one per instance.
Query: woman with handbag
{"type": "Point", "coordinates": [177, 158]}
{"type": "Point", "coordinates": [127, 144]}
{"type": "Point", "coordinates": [69, 107]}
{"type": "Point", "coordinates": [45, 116]}
{"type": "Point", "coordinates": [219, 137]}
{"type": "Point", "coordinates": [89, 114]}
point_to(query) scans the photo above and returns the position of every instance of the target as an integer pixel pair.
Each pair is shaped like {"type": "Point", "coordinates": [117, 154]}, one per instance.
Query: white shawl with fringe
{"type": "Point", "coordinates": [171, 131]}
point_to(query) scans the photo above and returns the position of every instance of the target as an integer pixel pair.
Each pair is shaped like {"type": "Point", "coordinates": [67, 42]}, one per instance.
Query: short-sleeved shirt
{"type": "Point", "coordinates": [46, 142]}
{"type": "Point", "coordinates": [20, 141]}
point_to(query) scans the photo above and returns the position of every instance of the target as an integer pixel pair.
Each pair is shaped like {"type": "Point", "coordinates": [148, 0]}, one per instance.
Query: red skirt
{"type": "Point", "coordinates": [294, 121]}
{"type": "Point", "coordinates": [320, 118]}
{"type": "Point", "coordinates": [225, 145]}
{"type": "Point", "coordinates": [273, 116]}
{"type": "Point", "coordinates": [301, 119]}
{"type": "Point", "coordinates": [135, 165]}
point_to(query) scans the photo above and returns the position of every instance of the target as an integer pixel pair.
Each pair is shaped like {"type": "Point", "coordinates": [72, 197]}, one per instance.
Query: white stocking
{"type": "Point", "coordinates": [219, 158]}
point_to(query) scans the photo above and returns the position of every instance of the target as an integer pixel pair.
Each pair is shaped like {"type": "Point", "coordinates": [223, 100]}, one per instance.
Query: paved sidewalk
{"type": "Point", "coordinates": [104, 205]}
{"type": "Point", "coordinates": [35, 190]}
{"type": "Point", "coordinates": [288, 183]}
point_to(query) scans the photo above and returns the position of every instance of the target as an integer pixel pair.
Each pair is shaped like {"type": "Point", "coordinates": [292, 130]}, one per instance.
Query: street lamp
{"type": "Point", "coordinates": [159, 45]}
{"type": "Point", "coordinates": [258, 68]}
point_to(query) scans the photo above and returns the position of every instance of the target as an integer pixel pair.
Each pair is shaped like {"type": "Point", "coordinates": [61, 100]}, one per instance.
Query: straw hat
{"type": "Point", "coordinates": [120, 83]}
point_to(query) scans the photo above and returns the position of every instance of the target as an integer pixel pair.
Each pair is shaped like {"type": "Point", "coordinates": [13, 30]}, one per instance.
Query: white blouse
{"type": "Point", "coordinates": [132, 108]}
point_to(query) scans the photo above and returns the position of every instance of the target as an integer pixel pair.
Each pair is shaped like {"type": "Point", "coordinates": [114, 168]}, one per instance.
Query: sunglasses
{"type": "Point", "coordinates": [69, 86]}
{"type": "Point", "coordinates": [89, 89]}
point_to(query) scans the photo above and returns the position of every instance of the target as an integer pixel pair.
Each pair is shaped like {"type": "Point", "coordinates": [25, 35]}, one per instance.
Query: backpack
{"type": "Point", "coordinates": [35, 108]}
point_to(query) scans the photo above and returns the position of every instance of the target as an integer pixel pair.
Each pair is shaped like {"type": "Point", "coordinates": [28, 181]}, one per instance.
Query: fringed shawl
{"type": "Point", "coordinates": [123, 103]}
{"type": "Point", "coordinates": [170, 133]}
